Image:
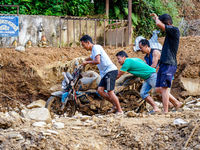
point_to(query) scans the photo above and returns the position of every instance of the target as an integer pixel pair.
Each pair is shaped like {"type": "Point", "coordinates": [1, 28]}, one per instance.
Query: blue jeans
{"type": "Point", "coordinates": [148, 85]}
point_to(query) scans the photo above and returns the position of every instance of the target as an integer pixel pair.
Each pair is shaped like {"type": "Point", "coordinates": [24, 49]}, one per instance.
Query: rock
{"type": "Point", "coordinates": [53, 132]}
{"type": "Point", "coordinates": [197, 147]}
{"type": "Point", "coordinates": [131, 114]}
{"type": "Point", "coordinates": [39, 124]}
{"type": "Point", "coordinates": [59, 125]}
{"type": "Point", "coordinates": [76, 128]}
{"type": "Point", "coordinates": [20, 48]}
{"type": "Point", "coordinates": [16, 136]}
{"type": "Point", "coordinates": [5, 123]}
{"type": "Point", "coordinates": [84, 118]}
{"type": "Point", "coordinates": [166, 138]}
{"type": "Point", "coordinates": [16, 116]}
{"type": "Point", "coordinates": [94, 118]}
{"type": "Point", "coordinates": [37, 104]}
{"type": "Point", "coordinates": [93, 107]}
{"type": "Point", "coordinates": [39, 114]}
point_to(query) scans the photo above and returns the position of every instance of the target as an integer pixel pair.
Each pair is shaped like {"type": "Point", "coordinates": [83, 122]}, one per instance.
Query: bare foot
{"type": "Point", "coordinates": [180, 105]}
{"type": "Point", "coordinates": [112, 110]}
{"type": "Point", "coordinates": [156, 110]}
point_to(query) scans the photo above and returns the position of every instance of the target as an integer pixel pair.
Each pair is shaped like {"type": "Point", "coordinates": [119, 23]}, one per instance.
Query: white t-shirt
{"type": "Point", "coordinates": [106, 65]}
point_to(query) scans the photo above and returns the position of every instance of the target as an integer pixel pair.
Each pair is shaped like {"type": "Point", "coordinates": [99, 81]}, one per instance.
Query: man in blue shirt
{"type": "Point", "coordinates": [168, 62]}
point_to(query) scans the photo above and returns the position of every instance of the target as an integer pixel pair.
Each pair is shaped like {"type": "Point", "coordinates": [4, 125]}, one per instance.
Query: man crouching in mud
{"type": "Point", "coordinates": [140, 69]}
{"type": "Point", "coordinates": [168, 62]}
{"type": "Point", "coordinates": [108, 72]}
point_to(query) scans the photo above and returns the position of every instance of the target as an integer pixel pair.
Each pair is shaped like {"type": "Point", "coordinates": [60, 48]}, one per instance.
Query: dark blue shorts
{"type": "Point", "coordinates": [164, 75]}
{"type": "Point", "coordinates": [108, 81]}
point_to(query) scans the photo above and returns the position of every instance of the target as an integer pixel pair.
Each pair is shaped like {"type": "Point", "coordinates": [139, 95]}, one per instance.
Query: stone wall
{"type": "Point", "coordinates": [29, 26]}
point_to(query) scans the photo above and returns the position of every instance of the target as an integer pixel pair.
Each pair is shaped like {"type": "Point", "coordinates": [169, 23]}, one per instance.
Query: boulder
{"type": "Point", "coordinates": [37, 104]}
{"type": "Point", "coordinates": [20, 48]}
{"type": "Point", "coordinates": [38, 114]}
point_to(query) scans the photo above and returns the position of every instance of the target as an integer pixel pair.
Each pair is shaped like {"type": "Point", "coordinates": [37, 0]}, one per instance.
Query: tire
{"type": "Point", "coordinates": [54, 105]}
{"type": "Point", "coordinates": [133, 101]}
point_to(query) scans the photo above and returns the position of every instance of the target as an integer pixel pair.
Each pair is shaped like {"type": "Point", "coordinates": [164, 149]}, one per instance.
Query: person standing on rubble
{"type": "Point", "coordinates": [152, 58]}
{"type": "Point", "coordinates": [168, 62]}
{"type": "Point", "coordinates": [108, 72]}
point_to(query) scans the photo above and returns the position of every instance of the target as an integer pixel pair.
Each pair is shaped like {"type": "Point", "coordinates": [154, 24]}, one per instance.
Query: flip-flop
{"type": "Point", "coordinates": [113, 110]}
{"type": "Point", "coordinates": [179, 107]}
{"type": "Point", "coordinates": [152, 112]}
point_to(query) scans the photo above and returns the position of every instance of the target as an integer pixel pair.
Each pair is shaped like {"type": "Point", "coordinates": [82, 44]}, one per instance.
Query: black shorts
{"type": "Point", "coordinates": [108, 81]}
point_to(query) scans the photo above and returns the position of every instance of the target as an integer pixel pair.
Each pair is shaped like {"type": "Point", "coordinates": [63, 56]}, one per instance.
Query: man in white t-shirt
{"type": "Point", "coordinates": [108, 72]}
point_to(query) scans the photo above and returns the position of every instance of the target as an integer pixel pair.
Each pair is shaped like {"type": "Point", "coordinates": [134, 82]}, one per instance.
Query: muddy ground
{"type": "Point", "coordinates": [34, 74]}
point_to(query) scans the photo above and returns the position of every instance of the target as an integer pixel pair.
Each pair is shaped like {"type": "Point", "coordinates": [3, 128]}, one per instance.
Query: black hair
{"type": "Point", "coordinates": [86, 38]}
{"type": "Point", "coordinates": [144, 42]}
{"type": "Point", "coordinates": [122, 54]}
{"type": "Point", "coordinates": [166, 19]}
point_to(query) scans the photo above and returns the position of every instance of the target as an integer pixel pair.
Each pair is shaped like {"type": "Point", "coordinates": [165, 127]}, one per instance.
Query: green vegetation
{"type": "Point", "coordinates": [118, 9]}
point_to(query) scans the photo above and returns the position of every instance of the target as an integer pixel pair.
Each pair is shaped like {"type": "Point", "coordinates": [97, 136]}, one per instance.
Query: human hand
{"type": "Point", "coordinates": [84, 63]}
{"type": "Point", "coordinates": [154, 16]}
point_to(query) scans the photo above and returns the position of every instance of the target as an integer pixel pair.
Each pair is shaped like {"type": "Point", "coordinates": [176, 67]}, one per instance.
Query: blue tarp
{"type": "Point", "coordinates": [9, 26]}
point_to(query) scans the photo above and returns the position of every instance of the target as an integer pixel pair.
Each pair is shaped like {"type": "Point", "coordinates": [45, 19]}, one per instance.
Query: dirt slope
{"type": "Point", "coordinates": [29, 75]}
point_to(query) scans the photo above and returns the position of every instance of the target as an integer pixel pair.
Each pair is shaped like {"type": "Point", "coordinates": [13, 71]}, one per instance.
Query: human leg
{"type": "Point", "coordinates": [104, 94]}
{"type": "Point", "coordinates": [115, 101]}
{"type": "Point", "coordinates": [144, 92]}
{"type": "Point", "coordinates": [108, 83]}
{"type": "Point", "coordinates": [163, 82]}
{"type": "Point", "coordinates": [177, 104]}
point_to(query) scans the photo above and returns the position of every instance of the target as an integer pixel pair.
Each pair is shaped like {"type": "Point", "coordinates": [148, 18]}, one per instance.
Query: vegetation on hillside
{"type": "Point", "coordinates": [118, 9]}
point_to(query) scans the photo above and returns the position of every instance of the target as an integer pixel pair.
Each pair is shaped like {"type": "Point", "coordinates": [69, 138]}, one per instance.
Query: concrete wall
{"type": "Point", "coordinates": [29, 30]}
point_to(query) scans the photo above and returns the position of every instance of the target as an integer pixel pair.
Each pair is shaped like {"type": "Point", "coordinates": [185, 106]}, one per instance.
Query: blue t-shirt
{"type": "Point", "coordinates": [106, 65]}
{"type": "Point", "coordinates": [170, 46]}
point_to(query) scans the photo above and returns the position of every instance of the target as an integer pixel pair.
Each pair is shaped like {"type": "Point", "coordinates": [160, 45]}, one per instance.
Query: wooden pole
{"type": "Point", "coordinates": [104, 36]}
{"type": "Point", "coordinates": [107, 8]}
{"type": "Point", "coordinates": [129, 22]}
{"type": "Point", "coordinates": [67, 33]}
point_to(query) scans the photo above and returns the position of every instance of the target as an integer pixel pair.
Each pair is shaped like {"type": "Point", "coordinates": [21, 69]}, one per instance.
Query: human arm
{"type": "Point", "coordinates": [157, 68]}
{"type": "Point", "coordinates": [156, 57]}
{"type": "Point", "coordinates": [120, 73]}
{"type": "Point", "coordinates": [88, 59]}
{"type": "Point", "coordinates": [93, 62]}
{"type": "Point", "coordinates": [158, 22]}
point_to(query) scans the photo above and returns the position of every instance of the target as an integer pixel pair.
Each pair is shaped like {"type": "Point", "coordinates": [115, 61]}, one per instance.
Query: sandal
{"type": "Point", "coordinates": [112, 110]}
{"type": "Point", "coordinates": [180, 107]}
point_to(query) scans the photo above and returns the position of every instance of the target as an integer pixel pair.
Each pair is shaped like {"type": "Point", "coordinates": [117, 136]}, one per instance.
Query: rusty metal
{"type": "Point", "coordinates": [110, 34]}
{"type": "Point", "coordinates": [95, 35]}
{"type": "Point", "coordinates": [104, 35]}
{"type": "Point", "coordinates": [67, 34]}
{"type": "Point", "coordinates": [117, 23]}
{"type": "Point", "coordinates": [86, 26]}
{"type": "Point", "coordinates": [80, 30]}
{"type": "Point", "coordinates": [122, 34]}
{"type": "Point", "coordinates": [116, 35]}
{"type": "Point", "coordinates": [107, 8]}
{"type": "Point", "coordinates": [129, 22]}
{"type": "Point", "coordinates": [74, 31]}
{"type": "Point", "coordinates": [60, 34]}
